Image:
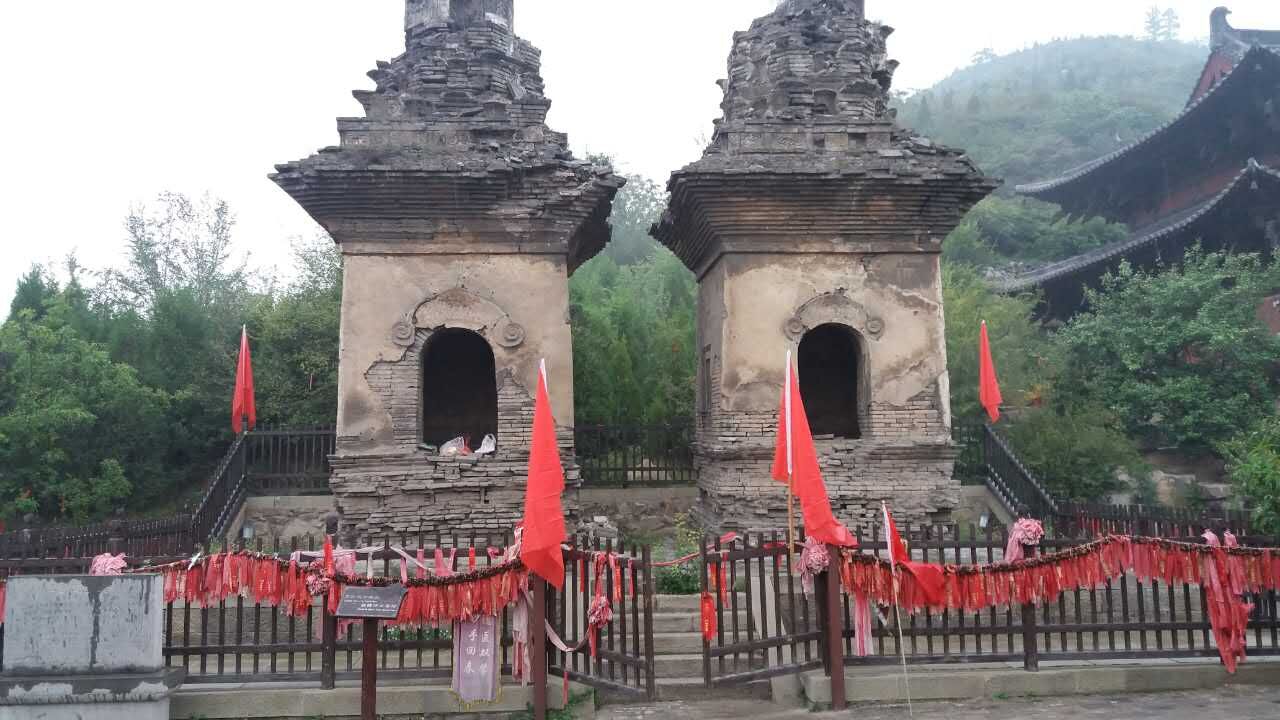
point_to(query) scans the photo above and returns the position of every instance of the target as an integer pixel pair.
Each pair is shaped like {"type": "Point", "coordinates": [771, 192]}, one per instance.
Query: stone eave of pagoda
{"type": "Point", "coordinates": [453, 154]}
{"type": "Point", "coordinates": [1205, 144]}
{"type": "Point", "coordinates": [1243, 217]}
{"type": "Point", "coordinates": [906, 196]}
{"type": "Point", "coordinates": [807, 157]}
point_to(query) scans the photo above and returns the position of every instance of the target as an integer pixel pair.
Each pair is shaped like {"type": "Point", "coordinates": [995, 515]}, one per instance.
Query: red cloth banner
{"type": "Point", "coordinates": [988, 385]}
{"type": "Point", "coordinates": [795, 459]}
{"type": "Point", "coordinates": [543, 515]}
{"type": "Point", "coordinates": [242, 402]}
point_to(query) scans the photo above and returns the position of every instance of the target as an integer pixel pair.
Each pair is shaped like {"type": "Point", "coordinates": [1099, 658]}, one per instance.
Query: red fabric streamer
{"type": "Point", "coordinates": [709, 628]}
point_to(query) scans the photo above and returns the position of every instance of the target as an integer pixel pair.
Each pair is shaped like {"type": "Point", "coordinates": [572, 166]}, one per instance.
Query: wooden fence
{"type": "Point", "coordinates": [767, 626]}
{"type": "Point", "coordinates": [242, 641]}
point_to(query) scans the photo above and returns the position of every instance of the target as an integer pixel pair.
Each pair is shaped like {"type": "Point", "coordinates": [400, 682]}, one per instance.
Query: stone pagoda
{"type": "Point", "coordinates": [460, 217]}
{"type": "Point", "coordinates": [815, 224]}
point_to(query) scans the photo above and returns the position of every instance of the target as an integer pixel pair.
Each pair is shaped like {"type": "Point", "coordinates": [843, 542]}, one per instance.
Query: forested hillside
{"type": "Point", "coordinates": [1033, 114]}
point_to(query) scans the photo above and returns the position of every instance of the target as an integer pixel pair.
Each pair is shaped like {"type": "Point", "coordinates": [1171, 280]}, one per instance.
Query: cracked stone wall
{"type": "Point", "coordinates": [894, 305]}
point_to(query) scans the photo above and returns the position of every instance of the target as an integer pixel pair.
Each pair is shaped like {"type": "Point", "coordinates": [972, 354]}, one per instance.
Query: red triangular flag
{"type": "Point", "coordinates": [796, 458]}
{"type": "Point", "coordinates": [242, 404]}
{"type": "Point", "coordinates": [543, 515]}
{"type": "Point", "coordinates": [988, 385]}
{"type": "Point", "coordinates": [897, 549]}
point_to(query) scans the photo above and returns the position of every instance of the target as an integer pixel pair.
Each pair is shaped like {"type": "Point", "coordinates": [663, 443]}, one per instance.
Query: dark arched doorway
{"type": "Point", "coordinates": [459, 388]}
{"type": "Point", "coordinates": [830, 365]}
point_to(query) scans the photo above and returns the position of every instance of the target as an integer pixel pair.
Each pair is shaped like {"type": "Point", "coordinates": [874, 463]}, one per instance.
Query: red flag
{"type": "Point", "coordinates": [796, 458]}
{"type": "Point", "coordinates": [897, 549]}
{"type": "Point", "coordinates": [930, 582]}
{"type": "Point", "coordinates": [543, 515]}
{"type": "Point", "coordinates": [988, 385]}
{"type": "Point", "coordinates": [242, 404]}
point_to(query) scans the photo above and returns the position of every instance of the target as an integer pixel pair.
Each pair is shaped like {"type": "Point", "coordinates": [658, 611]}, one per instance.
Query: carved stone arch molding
{"type": "Point", "coordinates": [459, 308]}
{"type": "Point", "coordinates": [396, 381]}
{"type": "Point", "coordinates": [835, 307]}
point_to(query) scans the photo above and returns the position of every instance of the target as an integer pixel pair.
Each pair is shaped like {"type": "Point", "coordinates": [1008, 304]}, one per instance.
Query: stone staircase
{"type": "Point", "coordinates": [677, 649]}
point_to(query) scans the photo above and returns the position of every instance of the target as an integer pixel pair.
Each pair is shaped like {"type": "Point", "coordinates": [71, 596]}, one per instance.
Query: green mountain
{"type": "Point", "coordinates": [1038, 112]}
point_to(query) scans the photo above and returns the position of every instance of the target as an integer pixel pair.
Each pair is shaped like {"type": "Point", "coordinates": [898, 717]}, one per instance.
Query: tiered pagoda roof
{"type": "Point", "coordinates": [454, 144]}
{"type": "Point", "coordinates": [807, 147]}
{"type": "Point", "coordinates": [1207, 176]}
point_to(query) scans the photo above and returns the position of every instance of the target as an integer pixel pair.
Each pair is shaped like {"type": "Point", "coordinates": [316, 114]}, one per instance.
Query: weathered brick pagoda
{"type": "Point", "coordinates": [814, 223]}
{"type": "Point", "coordinates": [1210, 176]}
{"type": "Point", "coordinates": [460, 216]}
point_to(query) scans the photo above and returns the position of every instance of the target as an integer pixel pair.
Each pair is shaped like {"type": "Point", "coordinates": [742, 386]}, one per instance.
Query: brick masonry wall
{"type": "Point", "coordinates": [905, 458]}
{"type": "Point", "coordinates": [416, 491]}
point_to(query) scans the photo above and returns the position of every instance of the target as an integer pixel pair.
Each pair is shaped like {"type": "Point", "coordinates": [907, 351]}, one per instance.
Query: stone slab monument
{"type": "Point", "coordinates": [814, 223]}
{"type": "Point", "coordinates": [85, 647]}
{"type": "Point", "coordinates": [460, 216]}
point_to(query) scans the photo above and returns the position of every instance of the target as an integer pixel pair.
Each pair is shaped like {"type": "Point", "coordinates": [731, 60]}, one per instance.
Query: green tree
{"type": "Point", "coordinates": [1018, 346]}
{"type": "Point", "coordinates": [1253, 461]}
{"type": "Point", "coordinates": [1180, 356]}
{"type": "Point", "coordinates": [295, 340]}
{"type": "Point", "coordinates": [78, 433]}
{"type": "Point", "coordinates": [1153, 28]}
{"type": "Point", "coordinates": [35, 290]}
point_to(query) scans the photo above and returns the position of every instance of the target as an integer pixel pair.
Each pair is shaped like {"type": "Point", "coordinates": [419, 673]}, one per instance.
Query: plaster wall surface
{"type": "Point", "coordinates": [79, 624]}
{"type": "Point", "coordinates": [752, 309]}
{"type": "Point", "coordinates": [486, 294]}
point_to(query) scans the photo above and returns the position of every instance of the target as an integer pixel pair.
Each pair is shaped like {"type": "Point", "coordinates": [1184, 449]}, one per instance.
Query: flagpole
{"type": "Point", "coordinates": [897, 614]}
{"type": "Point", "coordinates": [791, 513]}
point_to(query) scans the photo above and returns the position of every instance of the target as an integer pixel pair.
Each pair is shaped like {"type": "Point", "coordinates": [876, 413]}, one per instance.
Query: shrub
{"type": "Point", "coordinates": [1253, 460]}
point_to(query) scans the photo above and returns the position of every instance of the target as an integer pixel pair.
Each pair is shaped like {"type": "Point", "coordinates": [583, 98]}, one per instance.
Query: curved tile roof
{"type": "Point", "coordinates": [1143, 237]}
{"type": "Point", "coordinates": [1038, 188]}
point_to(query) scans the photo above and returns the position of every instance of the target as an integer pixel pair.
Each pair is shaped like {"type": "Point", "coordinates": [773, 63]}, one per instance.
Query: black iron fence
{"type": "Point", "coordinates": [635, 456]}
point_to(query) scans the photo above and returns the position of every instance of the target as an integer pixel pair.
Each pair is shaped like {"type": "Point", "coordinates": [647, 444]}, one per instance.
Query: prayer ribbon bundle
{"type": "Point", "coordinates": [440, 601]}
{"type": "Point", "coordinates": [1044, 578]}
{"type": "Point", "coordinates": [212, 579]}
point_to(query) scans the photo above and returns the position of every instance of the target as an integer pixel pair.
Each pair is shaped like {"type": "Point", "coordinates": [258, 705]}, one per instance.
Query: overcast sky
{"type": "Point", "coordinates": [109, 103]}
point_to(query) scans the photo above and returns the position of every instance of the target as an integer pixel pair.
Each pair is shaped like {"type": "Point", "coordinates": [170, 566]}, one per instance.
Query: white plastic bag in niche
{"type": "Point", "coordinates": [456, 446]}
{"type": "Point", "coordinates": [488, 446]}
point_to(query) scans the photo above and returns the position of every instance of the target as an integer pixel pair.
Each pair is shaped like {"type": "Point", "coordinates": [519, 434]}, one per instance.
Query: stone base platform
{"type": "Point", "coordinates": [884, 684]}
{"type": "Point", "coordinates": [396, 701]}
{"type": "Point", "coordinates": [914, 477]}
{"type": "Point", "coordinates": [131, 696]}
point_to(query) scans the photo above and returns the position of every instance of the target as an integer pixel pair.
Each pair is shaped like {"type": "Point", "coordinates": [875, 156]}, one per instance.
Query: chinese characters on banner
{"type": "Point", "coordinates": [475, 660]}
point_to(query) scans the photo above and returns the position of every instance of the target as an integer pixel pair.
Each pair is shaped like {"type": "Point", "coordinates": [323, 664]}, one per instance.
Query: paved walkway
{"type": "Point", "coordinates": [1229, 703]}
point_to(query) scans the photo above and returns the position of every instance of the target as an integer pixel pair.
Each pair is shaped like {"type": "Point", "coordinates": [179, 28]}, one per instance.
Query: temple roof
{"type": "Point", "coordinates": [808, 145]}
{"type": "Point", "coordinates": [1254, 185]}
{"type": "Point", "coordinates": [1217, 106]}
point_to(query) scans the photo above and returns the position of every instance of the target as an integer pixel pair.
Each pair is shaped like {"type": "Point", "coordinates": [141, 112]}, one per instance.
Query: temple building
{"type": "Point", "coordinates": [460, 216]}
{"type": "Point", "coordinates": [814, 224]}
{"type": "Point", "coordinates": [1210, 176]}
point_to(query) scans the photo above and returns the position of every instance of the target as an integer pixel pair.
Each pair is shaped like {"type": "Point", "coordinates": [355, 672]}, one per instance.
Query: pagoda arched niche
{"type": "Point", "coordinates": [830, 334]}
{"type": "Point", "coordinates": [460, 348]}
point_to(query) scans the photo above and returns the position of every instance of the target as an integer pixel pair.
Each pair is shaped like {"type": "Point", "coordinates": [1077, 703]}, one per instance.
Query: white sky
{"type": "Point", "coordinates": [109, 103]}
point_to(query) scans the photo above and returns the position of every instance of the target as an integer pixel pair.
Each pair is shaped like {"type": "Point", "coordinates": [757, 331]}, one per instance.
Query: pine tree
{"type": "Point", "coordinates": [1170, 25]}
{"type": "Point", "coordinates": [1154, 26]}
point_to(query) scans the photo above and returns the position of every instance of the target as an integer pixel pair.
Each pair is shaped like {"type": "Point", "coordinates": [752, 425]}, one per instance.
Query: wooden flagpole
{"type": "Point", "coordinates": [791, 513]}
{"type": "Point", "coordinates": [897, 614]}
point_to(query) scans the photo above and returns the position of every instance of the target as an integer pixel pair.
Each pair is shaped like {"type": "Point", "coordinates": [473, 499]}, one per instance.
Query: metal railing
{"type": "Point", "coordinates": [635, 456]}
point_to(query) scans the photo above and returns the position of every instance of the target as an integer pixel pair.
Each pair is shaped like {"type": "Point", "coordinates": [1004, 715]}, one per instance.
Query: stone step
{"type": "Point", "coordinates": [689, 665]}
{"type": "Point", "coordinates": [689, 603]}
{"type": "Point", "coordinates": [695, 689]}
{"type": "Point", "coordinates": [666, 622]}
{"type": "Point", "coordinates": [676, 643]}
